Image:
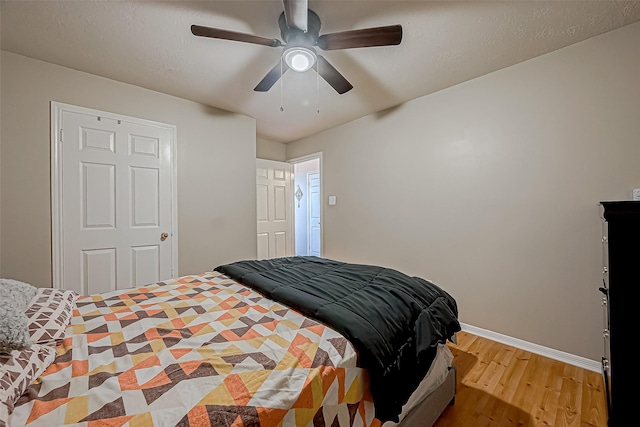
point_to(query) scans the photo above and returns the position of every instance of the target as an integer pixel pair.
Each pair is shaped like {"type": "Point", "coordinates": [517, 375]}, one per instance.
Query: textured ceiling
{"type": "Point", "coordinates": [149, 44]}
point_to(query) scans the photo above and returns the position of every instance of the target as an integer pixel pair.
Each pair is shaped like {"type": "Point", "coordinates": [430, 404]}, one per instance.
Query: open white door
{"type": "Point", "coordinates": [273, 201]}
{"type": "Point", "coordinates": [307, 177]}
{"type": "Point", "coordinates": [113, 200]}
{"type": "Point", "coordinates": [314, 232]}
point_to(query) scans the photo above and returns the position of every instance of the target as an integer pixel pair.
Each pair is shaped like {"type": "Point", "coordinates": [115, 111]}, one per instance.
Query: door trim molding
{"type": "Point", "coordinates": [305, 158]}
{"type": "Point", "coordinates": [57, 235]}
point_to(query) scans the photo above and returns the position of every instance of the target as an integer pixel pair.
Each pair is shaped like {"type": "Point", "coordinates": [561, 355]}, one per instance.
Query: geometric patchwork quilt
{"type": "Point", "coordinates": [200, 350]}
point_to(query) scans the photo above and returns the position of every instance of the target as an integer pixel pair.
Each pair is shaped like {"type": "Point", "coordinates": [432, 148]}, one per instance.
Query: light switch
{"type": "Point", "coordinates": [332, 200]}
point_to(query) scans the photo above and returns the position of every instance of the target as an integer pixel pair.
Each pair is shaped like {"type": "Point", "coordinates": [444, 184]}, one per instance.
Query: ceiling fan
{"type": "Point", "coordinates": [300, 28]}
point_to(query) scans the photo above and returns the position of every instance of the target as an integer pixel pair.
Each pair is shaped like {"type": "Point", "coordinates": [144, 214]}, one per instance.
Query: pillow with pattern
{"type": "Point", "coordinates": [18, 369]}
{"type": "Point", "coordinates": [49, 314]}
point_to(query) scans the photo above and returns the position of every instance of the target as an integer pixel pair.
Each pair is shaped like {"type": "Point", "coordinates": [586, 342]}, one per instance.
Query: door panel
{"type": "Point", "coordinates": [98, 202]}
{"type": "Point", "coordinates": [273, 204]}
{"type": "Point", "coordinates": [145, 195]}
{"type": "Point", "coordinates": [98, 271]}
{"type": "Point", "coordinates": [145, 264]}
{"type": "Point", "coordinates": [263, 245]}
{"type": "Point", "coordinates": [117, 202]}
{"type": "Point", "coordinates": [281, 244]}
{"type": "Point", "coordinates": [280, 201]}
{"type": "Point", "coordinates": [97, 139]}
{"type": "Point", "coordinates": [262, 202]}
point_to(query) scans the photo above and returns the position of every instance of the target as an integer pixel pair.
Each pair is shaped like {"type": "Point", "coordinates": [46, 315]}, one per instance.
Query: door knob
{"type": "Point", "coordinates": [164, 236]}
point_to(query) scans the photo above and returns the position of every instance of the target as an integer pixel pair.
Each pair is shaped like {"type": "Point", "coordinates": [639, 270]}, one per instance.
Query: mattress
{"type": "Point", "coordinates": [435, 377]}
{"type": "Point", "coordinates": [200, 350]}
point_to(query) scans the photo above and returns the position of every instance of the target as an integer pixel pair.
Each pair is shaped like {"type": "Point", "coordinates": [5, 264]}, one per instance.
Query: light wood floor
{"type": "Point", "coordinates": [499, 385]}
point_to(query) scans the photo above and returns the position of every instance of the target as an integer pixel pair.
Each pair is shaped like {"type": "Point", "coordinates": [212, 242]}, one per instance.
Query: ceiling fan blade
{"type": "Point", "coordinates": [272, 77]}
{"type": "Point", "coordinates": [295, 13]}
{"type": "Point", "coordinates": [332, 76]}
{"type": "Point", "coordinates": [217, 33]}
{"type": "Point", "coordinates": [368, 37]}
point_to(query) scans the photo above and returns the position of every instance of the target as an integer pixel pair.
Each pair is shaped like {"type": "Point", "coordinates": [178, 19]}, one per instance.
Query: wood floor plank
{"type": "Point", "coordinates": [501, 386]}
{"type": "Point", "coordinates": [594, 406]}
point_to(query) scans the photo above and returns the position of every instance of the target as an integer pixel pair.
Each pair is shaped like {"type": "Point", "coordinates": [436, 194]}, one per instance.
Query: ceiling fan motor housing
{"type": "Point", "coordinates": [295, 37]}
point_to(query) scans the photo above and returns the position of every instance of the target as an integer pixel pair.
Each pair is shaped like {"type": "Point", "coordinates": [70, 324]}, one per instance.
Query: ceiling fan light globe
{"type": "Point", "coordinates": [300, 62]}
{"type": "Point", "coordinates": [299, 59]}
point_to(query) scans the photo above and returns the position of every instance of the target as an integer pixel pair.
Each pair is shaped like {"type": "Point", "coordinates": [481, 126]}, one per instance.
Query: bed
{"type": "Point", "coordinates": [252, 343]}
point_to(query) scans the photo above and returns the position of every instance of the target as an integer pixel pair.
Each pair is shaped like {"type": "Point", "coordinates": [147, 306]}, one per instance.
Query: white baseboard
{"type": "Point", "coordinates": [572, 359]}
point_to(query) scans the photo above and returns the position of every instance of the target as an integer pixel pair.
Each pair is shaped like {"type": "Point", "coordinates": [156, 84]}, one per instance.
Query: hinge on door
{"type": "Point", "coordinates": [61, 133]}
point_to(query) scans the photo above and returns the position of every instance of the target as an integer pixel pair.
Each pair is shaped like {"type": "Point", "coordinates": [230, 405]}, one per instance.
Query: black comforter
{"type": "Point", "coordinates": [393, 320]}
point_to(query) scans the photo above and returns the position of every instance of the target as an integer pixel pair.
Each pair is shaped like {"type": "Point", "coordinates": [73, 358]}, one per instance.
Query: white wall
{"type": "Point", "coordinates": [270, 150]}
{"type": "Point", "coordinates": [215, 153]}
{"type": "Point", "coordinates": [1, 276]}
{"type": "Point", "coordinates": [491, 188]}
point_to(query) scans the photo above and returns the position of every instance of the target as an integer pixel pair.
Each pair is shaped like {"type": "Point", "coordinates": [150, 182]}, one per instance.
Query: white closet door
{"type": "Point", "coordinates": [116, 202]}
{"type": "Point", "coordinates": [273, 201]}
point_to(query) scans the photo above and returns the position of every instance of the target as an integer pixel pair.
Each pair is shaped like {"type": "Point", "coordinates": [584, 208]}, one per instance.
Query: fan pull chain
{"type": "Point", "coordinates": [318, 87]}
{"type": "Point", "coordinates": [281, 90]}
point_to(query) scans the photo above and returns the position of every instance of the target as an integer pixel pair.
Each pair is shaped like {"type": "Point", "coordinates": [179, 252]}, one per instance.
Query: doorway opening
{"type": "Point", "coordinates": [307, 205]}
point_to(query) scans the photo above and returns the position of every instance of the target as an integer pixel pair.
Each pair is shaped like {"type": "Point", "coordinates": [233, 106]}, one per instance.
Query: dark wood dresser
{"type": "Point", "coordinates": [621, 259]}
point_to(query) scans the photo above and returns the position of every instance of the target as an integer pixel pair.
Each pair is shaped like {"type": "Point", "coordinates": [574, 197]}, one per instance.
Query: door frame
{"type": "Point", "coordinates": [57, 137]}
{"type": "Point", "coordinates": [301, 159]}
